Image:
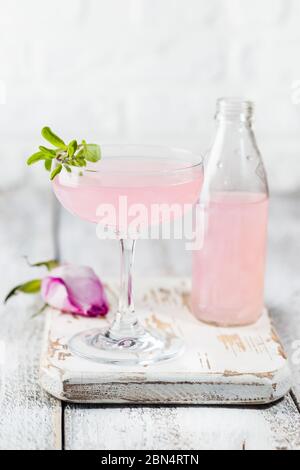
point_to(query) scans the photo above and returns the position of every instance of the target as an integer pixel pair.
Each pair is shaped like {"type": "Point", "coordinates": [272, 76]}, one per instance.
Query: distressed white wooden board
{"type": "Point", "coordinates": [169, 258]}
{"type": "Point", "coordinates": [183, 428]}
{"type": "Point", "coordinates": [83, 424]}
{"type": "Point", "coordinates": [220, 365]}
{"type": "Point", "coordinates": [29, 418]}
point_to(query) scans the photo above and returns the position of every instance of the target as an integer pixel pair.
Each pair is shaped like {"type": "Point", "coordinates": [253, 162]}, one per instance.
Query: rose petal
{"type": "Point", "coordinates": [75, 289]}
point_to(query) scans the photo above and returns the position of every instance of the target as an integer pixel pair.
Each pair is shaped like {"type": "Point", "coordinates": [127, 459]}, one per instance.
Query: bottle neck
{"type": "Point", "coordinates": [234, 113]}
{"type": "Point", "coordinates": [233, 164]}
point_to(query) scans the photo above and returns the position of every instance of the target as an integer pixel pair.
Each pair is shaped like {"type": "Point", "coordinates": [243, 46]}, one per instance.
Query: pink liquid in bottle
{"type": "Point", "coordinates": [228, 270]}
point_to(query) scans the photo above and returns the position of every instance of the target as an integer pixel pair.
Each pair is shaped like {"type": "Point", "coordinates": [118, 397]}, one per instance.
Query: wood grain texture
{"type": "Point", "coordinates": [275, 426]}
{"type": "Point", "coordinates": [283, 278]}
{"type": "Point", "coordinates": [169, 258]}
{"type": "Point", "coordinates": [29, 418]}
{"type": "Point", "coordinates": [219, 365]}
{"type": "Point", "coordinates": [182, 428]}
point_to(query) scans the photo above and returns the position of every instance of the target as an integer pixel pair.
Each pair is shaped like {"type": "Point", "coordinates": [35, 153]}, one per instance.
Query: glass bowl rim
{"type": "Point", "coordinates": [196, 156]}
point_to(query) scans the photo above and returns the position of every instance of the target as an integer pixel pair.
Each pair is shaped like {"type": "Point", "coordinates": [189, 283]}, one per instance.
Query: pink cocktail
{"type": "Point", "coordinates": [125, 185]}
{"type": "Point", "coordinates": [146, 178]}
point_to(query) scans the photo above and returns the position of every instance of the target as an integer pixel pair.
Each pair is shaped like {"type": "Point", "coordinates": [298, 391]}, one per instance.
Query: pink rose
{"type": "Point", "coordinates": [75, 289]}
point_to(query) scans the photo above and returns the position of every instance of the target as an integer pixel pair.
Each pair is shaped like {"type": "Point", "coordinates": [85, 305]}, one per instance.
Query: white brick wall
{"type": "Point", "coordinates": [147, 70]}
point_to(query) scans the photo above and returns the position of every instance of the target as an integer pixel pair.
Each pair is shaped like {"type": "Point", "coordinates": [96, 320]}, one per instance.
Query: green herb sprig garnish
{"type": "Point", "coordinates": [65, 156]}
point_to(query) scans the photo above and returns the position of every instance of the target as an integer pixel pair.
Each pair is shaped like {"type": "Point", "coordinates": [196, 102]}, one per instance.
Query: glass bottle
{"type": "Point", "coordinates": [229, 264]}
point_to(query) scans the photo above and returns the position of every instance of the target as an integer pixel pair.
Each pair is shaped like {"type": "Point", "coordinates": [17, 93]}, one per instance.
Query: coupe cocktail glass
{"type": "Point", "coordinates": [144, 175]}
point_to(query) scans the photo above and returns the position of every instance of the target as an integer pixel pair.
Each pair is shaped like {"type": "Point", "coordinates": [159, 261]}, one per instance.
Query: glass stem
{"type": "Point", "coordinates": [126, 323]}
{"type": "Point", "coordinates": [127, 258]}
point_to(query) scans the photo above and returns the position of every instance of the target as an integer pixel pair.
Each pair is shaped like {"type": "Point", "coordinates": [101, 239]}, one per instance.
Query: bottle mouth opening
{"type": "Point", "coordinates": [234, 109]}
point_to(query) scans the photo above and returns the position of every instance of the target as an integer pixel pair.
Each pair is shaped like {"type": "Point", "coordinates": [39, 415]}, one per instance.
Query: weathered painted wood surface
{"type": "Point", "coordinates": [278, 424]}
{"type": "Point", "coordinates": [29, 418]}
{"type": "Point", "coordinates": [183, 428]}
{"type": "Point", "coordinates": [218, 366]}
{"type": "Point", "coordinates": [283, 278]}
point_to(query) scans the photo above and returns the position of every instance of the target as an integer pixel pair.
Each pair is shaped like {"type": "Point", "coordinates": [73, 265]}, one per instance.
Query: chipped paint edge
{"type": "Point", "coordinates": [229, 389]}
{"type": "Point", "coordinates": [204, 392]}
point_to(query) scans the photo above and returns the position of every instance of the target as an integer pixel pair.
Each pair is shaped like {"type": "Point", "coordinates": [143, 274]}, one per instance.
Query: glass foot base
{"type": "Point", "coordinates": [98, 345]}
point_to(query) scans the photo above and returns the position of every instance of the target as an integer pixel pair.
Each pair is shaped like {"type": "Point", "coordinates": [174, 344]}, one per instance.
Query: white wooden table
{"type": "Point", "coordinates": [30, 224]}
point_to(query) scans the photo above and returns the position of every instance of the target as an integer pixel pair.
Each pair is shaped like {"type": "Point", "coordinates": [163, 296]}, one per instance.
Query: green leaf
{"type": "Point", "coordinates": [30, 287]}
{"type": "Point", "coordinates": [51, 264]}
{"type": "Point", "coordinates": [79, 162]}
{"type": "Point", "coordinates": [80, 153]}
{"type": "Point", "coordinates": [53, 138]}
{"type": "Point", "coordinates": [48, 165]}
{"type": "Point", "coordinates": [36, 157]}
{"type": "Point", "coordinates": [92, 152]}
{"type": "Point", "coordinates": [55, 172]}
{"type": "Point", "coordinates": [73, 154]}
{"type": "Point", "coordinates": [72, 147]}
{"type": "Point", "coordinates": [67, 168]}
{"type": "Point", "coordinates": [48, 152]}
